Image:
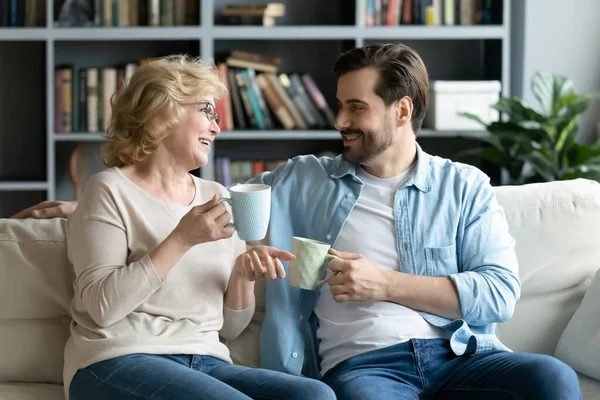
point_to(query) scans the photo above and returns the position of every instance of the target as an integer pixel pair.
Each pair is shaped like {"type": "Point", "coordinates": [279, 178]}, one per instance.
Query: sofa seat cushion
{"type": "Point", "coordinates": [36, 287]}
{"type": "Point", "coordinates": [590, 388]}
{"type": "Point", "coordinates": [555, 227]}
{"type": "Point", "coordinates": [579, 345]}
{"type": "Point", "coordinates": [31, 391]}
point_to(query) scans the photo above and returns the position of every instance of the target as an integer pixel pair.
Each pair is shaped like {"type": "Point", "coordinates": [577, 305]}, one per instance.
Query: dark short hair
{"type": "Point", "coordinates": [401, 73]}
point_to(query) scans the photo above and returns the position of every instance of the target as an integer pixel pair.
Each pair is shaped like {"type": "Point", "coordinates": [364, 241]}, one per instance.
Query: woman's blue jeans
{"type": "Point", "coordinates": [183, 377]}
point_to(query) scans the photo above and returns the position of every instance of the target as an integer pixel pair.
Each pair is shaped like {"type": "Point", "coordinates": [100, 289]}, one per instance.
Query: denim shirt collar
{"type": "Point", "coordinates": [421, 179]}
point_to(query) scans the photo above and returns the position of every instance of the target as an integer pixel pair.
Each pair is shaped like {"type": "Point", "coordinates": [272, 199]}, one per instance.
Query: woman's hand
{"type": "Point", "coordinates": [262, 262]}
{"type": "Point", "coordinates": [204, 223]}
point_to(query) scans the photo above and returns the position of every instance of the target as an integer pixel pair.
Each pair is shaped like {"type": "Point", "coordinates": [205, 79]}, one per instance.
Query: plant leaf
{"type": "Point", "coordinates": [578, 154]}
{"type": "Point", "coordinates": [541, 165]}
{"type": "Point", "coordinates": [484, 137]}
{"type": "Point", "coordinates": [567, 134]}
{"type": "Point", "coordinates": [501, 127]}
{"type": "Point", "coordinates": [516, 111]}
{"type": "Point", "coordinates": [472, 117]}
{"type": "Point", "coordinates": [581, 171]}
{"type": "Point", "coordinates": [574, 105]}
{"type": "Point", "coordinates": [548, 89]}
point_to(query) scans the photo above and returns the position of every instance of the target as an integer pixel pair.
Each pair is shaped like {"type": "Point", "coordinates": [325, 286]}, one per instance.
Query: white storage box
{"type": "Point", "coordinates": [448, 98]}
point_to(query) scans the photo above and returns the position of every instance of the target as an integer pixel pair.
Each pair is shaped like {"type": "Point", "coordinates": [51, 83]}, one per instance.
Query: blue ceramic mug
{"type": "Point", "coordinates": [251, 206]}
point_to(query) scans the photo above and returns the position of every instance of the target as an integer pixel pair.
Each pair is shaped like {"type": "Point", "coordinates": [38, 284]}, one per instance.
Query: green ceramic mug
{"type": "Point", "coordinates": [310, 265]}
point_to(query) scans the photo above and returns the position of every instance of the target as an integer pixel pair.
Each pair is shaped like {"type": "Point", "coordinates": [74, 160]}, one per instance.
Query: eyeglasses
{"type": "Point", "coordinates": [208, 110]}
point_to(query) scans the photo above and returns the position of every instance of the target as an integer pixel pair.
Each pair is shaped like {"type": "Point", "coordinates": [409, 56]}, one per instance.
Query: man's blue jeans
{"type": "Point", "coordinates": [183, 377]}
{"type": "Point", "coordinates": [427, 368]}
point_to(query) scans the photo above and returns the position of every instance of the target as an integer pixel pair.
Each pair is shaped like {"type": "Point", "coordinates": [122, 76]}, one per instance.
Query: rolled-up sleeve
{"type": "Point", "coordinates": [488, 285]}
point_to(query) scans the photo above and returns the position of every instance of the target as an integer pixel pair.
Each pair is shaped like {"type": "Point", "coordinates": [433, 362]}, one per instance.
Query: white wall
{"type": "Point", "coordinates": [560, 36]}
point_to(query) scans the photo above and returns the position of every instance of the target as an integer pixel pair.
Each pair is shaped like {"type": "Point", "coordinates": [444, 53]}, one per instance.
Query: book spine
{"type": "Point", "coordinates": [253, 100]}
{"type": "Point", "coordinates": [109, 80]}
{"type": "Point", "coordinates": [238, 110]}
{"type": "Point", "coordinates": [82, 100]}
{"type": "Point", "coordinates": [92, 100]}
{"type": "Point", "coordinates": [67, 99]}
{"type": "Point", "coordinates": [153, 12]}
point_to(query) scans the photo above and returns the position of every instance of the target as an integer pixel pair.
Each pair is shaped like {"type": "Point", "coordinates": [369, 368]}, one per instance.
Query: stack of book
{"type": "Point", "coordinates": [94, 88]}
{"type": "Point", "coordinates": [430, 12]}
{"type": "Point", "coordinates": [122, 13]}
{"type": "Point", "coordinates": [251, 14]}
{"type": "Point", "coordinates": [259, 97]}
{"type": "Point", "coordinates": [262, 98]}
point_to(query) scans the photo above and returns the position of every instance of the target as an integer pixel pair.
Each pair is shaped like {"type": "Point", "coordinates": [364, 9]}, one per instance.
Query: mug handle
{"type": "Point", "coordinates": [328, 258]}
{"type": "Point", "coordinates": [230, 202]}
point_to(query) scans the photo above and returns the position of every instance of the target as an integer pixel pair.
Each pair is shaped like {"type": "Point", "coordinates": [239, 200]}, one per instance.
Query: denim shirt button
{"type": "Point", "coordinates": [328, 236]}
{"type": "Point", "coordinates": [349, 195]}
{"type": "Point", "coordinates": [301, 318]}
{"type": "Point", "coordinates": [294, 355]}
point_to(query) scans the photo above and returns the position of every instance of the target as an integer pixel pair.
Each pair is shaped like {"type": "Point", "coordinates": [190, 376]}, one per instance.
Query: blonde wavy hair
{"type": "Point", "coordinates": [148, 106]}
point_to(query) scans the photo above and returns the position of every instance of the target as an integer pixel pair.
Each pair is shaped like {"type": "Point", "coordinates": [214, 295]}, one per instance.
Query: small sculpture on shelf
{"type": "Point", "coordinates": [76, 13]}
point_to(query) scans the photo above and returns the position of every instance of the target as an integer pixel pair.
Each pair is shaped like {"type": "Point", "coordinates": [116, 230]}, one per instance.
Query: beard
{"type": "Point", "coordinates": [373, 145]}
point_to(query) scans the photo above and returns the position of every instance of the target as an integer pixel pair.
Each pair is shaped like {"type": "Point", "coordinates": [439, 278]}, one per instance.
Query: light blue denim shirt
{"type": "Point", "coordinates": [448, 223]}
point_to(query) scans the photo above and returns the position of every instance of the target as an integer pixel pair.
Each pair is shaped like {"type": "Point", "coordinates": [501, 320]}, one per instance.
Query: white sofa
{"type": "Point", "coordinates": [555, 226]}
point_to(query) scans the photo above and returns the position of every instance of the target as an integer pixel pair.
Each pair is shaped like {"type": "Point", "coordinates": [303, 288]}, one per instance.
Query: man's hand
{"type": "Point", "coordinates": [48, 209]}
{"type": "Point", "coordinates": [356, 278]}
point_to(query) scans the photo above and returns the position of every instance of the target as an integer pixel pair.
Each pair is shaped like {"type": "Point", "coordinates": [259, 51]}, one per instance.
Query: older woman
{"type": "Point", "coordinates": [159, 273]}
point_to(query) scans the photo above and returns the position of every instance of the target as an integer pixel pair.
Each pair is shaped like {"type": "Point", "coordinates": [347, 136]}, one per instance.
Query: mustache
{"type": "Point", "coordinates": [352, 132]}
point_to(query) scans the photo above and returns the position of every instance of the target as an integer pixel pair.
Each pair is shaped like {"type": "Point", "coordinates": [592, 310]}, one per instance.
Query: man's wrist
{"type": "Point", "coordinates": [392, 286]}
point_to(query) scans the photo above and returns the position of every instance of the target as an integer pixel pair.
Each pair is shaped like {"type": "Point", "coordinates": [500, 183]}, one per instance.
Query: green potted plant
{"type": "Point", "coordinates": [540, 146]}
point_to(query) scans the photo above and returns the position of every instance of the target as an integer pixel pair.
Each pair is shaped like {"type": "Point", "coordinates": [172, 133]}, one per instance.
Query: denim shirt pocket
{"type": "Point", "coordinates": [441, 261]}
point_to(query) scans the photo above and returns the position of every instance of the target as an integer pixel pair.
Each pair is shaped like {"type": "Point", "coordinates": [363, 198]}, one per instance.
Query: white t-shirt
{"type": "Point", "coordinates": [351, 328]}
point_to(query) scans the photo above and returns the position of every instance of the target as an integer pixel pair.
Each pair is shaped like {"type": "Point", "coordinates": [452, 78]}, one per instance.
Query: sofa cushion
{"type": "Point", "coordinates": [555, 226]}
{"type": "Point", "coordinates": [590, 388]}
{"type": "Point", "coordinates": [35, 298]}
{"type": "Point", "coordinates": [579, 345]}
{"type": "Point", "coordinates": [31, 391]}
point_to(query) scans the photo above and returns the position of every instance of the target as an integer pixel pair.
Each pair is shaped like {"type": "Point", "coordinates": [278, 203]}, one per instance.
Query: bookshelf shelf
{"type": "Point", "coordinates": [225, 135]}
{"type": "Point", "coordinates": [285, 32]}
{"type": "Point", "coordinates": [254, 135]}
{"type": "Point", "coordinates": [475, 52]}
{"type": "Point", "coordinates": [434, 32]}
{"type": "Point", "coordinates": [23, 34]}
{"type": "Point", "coordinates": [263, 33]}
{"type": "Point", "coordinates": [23, 186]}
{"type": "Point", "coordinates": [78, 137]}
{"type": "Point", "coordinates": [351, 33]}
{"type": "Point", "coordinates": [128, 33]}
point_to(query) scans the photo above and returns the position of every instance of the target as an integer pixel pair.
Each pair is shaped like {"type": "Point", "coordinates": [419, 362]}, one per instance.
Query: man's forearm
{"type": "Point", "coordinates": [435, 295]}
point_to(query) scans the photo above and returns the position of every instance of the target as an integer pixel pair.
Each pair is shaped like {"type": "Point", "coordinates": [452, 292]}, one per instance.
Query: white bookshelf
{"type": "Point", "coordinates": [23, 186]}
{"type": "Point", "coordinates": [205, 39]}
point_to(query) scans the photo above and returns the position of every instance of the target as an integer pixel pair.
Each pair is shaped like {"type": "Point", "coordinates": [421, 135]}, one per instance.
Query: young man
{"type": "Point", "coordinates": [427, 264]}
